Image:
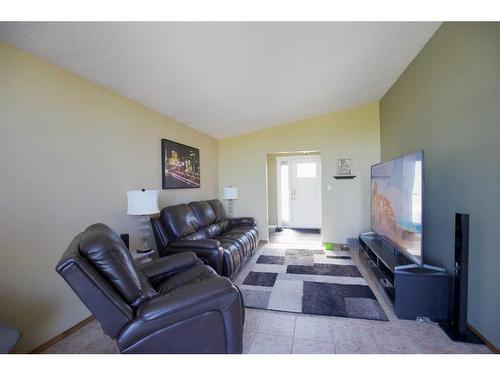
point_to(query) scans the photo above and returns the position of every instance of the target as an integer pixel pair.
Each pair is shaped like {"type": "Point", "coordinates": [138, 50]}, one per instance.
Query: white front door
{"type": "Point", "coordinates": [299, 191]}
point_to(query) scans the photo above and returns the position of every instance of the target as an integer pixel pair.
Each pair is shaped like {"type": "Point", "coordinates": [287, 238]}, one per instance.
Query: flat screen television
{"type": "Point", "coordinates": [397, 203]}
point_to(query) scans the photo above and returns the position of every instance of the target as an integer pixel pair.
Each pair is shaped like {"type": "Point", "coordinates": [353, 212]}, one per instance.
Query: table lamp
{"type": "Point", "coordinates": [230, 193]}
{"type": "Point", "coordinates": [143, 203]}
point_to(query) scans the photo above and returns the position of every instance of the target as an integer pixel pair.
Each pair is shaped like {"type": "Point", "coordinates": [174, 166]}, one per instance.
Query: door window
{"type": "Point", "coordinates": [306, 170]}
{"type": "Point", "coordinates": [285, 193]}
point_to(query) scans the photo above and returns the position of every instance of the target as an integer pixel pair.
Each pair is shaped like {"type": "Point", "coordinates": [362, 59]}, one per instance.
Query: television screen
{"type": "Point", "coordinates": [396, 202]}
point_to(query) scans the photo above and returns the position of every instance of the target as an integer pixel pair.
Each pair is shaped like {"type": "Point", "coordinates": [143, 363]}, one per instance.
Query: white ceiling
{"type": "Point", "coordinates": [230, 78]}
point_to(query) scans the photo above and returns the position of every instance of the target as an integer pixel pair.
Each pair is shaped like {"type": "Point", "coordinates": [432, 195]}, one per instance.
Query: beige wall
{"type": "Point", "coordinates": [447, 102]}
{"type": "Point", "coordinates": [272, 184]}
{"type": "Point", "coordinates": [352, 133]}
{"type": "Point", "coordinates": [70, 149]}
{"type": "Point", "coordinates": [68, 152]}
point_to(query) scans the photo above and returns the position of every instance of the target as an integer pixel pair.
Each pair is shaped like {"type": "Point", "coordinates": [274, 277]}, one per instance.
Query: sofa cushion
{"type": "Point", "coordinates": [213, 230]}
{"type": "Point", "coordinates": [179, 221]}
{"type": "Point", "coordinates": [224, 225]}
{"type": "Point", "coordinates": [218, 208]}
{"type": "Point", "coordinates": [104, 249]}
{"type": "Point", "coordinates": [203, 212]}
{"type": "Point", "coordinates": [188, 278]}
{"type": "Point", "coordinates": [200, 235]}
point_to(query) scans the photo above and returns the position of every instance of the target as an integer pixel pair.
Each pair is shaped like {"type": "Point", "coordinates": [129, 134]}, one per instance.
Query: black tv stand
{"type": "Point", "coordinates": [416, 291]}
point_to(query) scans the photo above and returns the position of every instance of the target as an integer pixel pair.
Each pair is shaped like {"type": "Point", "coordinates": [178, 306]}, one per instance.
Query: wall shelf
{"type": "Point", "coordinates": [349, 177]}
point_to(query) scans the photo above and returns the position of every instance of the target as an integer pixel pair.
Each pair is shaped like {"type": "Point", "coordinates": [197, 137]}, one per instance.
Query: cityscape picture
{"type": "Point", "coordinates": [180, 165]}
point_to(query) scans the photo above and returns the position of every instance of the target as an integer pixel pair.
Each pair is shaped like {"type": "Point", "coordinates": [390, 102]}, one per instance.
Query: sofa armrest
{"type": "Point", "coordinates": [241, 221]}
{"type": "Point", "coordinates": [164, 267]}
{"type": "Point", "coordinates": [206, 293]}
{"type": "Point", "coordinates": [199, 244]}
{"type": "Point", "coordinates": [154, 327]}
{"type": "Point", "coordinates": [159, 233]}
{"type": "Point", "coordinates": [208, 250]}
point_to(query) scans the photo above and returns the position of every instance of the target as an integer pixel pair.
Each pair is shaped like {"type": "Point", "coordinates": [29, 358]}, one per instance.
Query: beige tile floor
{"type": "Point", "coordinates": [279, 332]}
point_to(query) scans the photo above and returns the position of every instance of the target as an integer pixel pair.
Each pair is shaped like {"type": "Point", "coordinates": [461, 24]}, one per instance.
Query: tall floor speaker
{"type": "Point", "coordinates": [457, 329]}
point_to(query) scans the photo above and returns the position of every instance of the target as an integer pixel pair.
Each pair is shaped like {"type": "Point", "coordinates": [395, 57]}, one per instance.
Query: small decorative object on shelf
{"type": "Point", "coordinates": [143, 203]}
{"type": "Point", "coordinates": [344, 171]}
{"type": "Point", "coordinates": [344, 167]}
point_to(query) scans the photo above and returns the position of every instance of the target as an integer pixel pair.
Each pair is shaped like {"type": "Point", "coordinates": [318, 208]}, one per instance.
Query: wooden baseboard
{"type": "Point", "coordinates": [488, 343]}
{"type": "Point", "coordinates": [59, 337]}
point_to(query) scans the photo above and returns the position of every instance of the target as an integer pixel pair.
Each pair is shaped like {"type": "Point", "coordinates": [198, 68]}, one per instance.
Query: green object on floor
{"type": "Point", "coordinates": [328, 245]}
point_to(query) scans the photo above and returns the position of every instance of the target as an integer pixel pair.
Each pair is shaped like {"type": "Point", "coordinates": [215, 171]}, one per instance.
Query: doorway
{"type": "Point", "coordinates": [294, 190]}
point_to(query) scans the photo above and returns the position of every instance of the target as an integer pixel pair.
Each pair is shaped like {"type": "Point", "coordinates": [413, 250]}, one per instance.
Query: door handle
{"type": "Point", "coordinates": [294, 194]}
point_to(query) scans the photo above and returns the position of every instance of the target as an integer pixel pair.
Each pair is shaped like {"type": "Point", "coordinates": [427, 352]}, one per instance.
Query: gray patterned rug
{"type": "Point", "coordinates": [321, 282]}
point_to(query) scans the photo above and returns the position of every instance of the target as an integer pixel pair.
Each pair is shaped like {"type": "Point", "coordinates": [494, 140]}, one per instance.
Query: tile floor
{"type": "Point", "coordinates": [295, 236]}
{"type": "Point", "coordinates": [277, 332]}
{"type": "Point", "coordinates": [272, 332]}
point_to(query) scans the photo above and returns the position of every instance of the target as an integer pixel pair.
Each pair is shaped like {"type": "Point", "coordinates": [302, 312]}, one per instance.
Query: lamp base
{"type": "Point", "coordinates": [143, 251]}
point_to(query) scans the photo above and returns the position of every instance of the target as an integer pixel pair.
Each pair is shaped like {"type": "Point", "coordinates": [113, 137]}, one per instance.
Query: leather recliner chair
{"type": "Point", "coordinates": [173, 305]}
{"type": "Point", "coordinates": [202, 227]}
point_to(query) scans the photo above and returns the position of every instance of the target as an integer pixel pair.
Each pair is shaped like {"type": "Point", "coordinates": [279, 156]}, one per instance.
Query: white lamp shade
{"type": "Point", "coordinates": [230, 192]}
{"type": "Point", "coordinates": [142, 202]}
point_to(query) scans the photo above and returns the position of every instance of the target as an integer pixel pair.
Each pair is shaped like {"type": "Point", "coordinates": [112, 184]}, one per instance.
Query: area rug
{"type": "Point", "coordinates": [308, 281]}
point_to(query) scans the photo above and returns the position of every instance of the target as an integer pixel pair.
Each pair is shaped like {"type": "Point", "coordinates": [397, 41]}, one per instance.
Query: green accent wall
{"type": "Point", "coordinates": [447, 102]}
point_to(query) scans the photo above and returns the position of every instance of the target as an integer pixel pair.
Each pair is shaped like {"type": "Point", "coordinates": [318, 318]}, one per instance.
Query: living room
{"type": "Point", "coordinates": [216, 187]}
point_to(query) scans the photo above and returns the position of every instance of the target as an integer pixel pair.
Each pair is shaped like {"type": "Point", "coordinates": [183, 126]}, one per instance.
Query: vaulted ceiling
{"type": "Point", "coordinates": [230, 78]}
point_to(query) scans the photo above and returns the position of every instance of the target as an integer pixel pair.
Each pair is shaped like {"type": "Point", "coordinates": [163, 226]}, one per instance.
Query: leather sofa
{"type": "Point", "coordinates": [175, 304]}
{"type": "Point", "coordinates": [203, 227]}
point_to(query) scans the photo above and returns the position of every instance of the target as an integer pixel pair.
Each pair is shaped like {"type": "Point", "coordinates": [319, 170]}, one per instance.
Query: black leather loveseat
{"type": "Point", "coordinates": [175, 304]}
{"type": "Point", "coordinates": [203, 227]}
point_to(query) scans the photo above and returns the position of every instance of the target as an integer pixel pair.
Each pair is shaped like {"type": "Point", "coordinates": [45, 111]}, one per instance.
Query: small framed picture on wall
{"type": "Point", "coordinates": [180, 165]}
